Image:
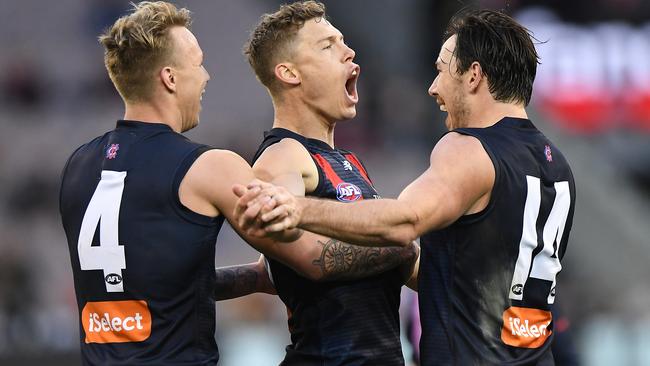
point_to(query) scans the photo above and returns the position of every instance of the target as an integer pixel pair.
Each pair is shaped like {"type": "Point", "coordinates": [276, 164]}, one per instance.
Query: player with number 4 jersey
{"type": "Point", "coordinates": [166, 287]}
{"type": "Point", "coordinates": [140, 247]}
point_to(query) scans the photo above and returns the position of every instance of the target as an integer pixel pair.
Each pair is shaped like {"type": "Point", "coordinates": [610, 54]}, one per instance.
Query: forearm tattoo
{"type": "Point", "coordinates": [344, 261]}
{"type": "Point", "coordinates": [236, 281]}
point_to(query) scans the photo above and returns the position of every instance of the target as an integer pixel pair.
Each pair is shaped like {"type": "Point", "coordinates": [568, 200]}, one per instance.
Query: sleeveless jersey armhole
{"type": "Point", "coordinates": [321, 178]}
{"type": "Point", "coordinates": [180, 173]}
{"type": "Point", "coordinates": [276, 135]}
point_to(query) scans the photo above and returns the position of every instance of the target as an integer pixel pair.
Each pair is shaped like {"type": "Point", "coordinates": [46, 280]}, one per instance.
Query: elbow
{"type": "Point", "coordinates": [400, 232]}
{"type": "Point", "coordinates": [400, 235]}
{"type": "Point", "coordinates": [319, 274]}
{"type": "Point", "coordinates": [313, 273]}
{"type": "Point", "coordinates": [320, 277]}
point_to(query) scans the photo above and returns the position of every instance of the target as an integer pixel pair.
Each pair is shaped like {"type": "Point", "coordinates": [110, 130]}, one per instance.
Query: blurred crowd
{"type": "Point", "coordinates": [592, 96]}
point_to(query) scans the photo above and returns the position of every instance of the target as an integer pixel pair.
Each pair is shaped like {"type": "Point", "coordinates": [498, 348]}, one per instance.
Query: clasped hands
{"type": "Point", "coordinates": [265, 210]}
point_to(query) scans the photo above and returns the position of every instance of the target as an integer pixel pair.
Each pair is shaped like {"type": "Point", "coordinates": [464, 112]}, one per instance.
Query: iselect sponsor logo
{"type": "Point", "coordinates": [525, 327]}
{"type": "Point", "coordinates": [116, 321]}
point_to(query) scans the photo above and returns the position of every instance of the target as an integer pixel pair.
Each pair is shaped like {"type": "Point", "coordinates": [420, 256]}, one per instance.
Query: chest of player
{"type": "Point", "coordinates": [341, 176]}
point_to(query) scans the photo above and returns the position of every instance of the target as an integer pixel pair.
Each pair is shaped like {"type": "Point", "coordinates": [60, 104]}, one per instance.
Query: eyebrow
{"type": "Point", "coordinates": [441, 61]}
{"type": "Point", "coordinates": [331, 38]}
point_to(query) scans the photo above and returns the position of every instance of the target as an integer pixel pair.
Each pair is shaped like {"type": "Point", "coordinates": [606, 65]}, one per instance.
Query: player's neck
{"type": "Point", "coordinates": [302, 120]}
{"type": "Point", "coordinates": [153, 113]}
{"type": "Point", "coordinates": [494, 111]}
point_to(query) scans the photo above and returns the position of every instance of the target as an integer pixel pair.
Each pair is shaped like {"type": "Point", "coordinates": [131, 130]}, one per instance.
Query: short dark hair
{"type": "Point", "coordinates": [273, 35]}
{"type": "Point", "coordinates": [502, 47]}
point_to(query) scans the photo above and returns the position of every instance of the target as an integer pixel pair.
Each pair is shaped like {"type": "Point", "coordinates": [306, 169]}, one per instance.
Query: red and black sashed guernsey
{"type": "Point", "coordinates": [342, 322]}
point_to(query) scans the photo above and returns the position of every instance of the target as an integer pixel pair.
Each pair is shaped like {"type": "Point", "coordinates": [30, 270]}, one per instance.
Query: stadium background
{"type": "Point", "coordinates": [592, 96]}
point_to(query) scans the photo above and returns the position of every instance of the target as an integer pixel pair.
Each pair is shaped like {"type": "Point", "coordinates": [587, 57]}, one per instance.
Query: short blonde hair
{"type": "Point", "coordinates": [138, 43]}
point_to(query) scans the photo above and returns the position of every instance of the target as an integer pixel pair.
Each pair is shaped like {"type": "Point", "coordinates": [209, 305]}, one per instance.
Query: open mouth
{"type": "Point", "coordinates": [351, 84]}
{"type": "Point", "coordinates": [441, 104]}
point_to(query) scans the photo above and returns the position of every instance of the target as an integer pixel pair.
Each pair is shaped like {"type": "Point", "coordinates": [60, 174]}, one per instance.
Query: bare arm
{"type": "Point", "coordinates": [288, 163]}
{"type": "Point", "coordinates": [342, 261]}
{"type": "Point", "coordinates": [207, 189]}
{"type": "Point", "coordinates": [241, 280]}
{"type": "Point", "coordinates": [450, 188]}
{"type": "Point", "coordinates": [377, 222]}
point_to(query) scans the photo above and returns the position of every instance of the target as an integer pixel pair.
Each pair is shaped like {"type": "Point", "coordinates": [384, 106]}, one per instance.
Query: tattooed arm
{"type": "Point", "coordinates": [343, 261]}
{"type": "Point", "coordinates": [335, 261]}
{"type": "Point", "coordinates": [241, 280]}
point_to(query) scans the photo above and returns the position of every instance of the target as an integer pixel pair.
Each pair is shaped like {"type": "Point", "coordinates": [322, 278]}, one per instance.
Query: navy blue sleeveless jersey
{"type": "Point", "coordinates": [487, 282]}
{"type": "Point", "coordinates": [143, 263]}
{"type": "Point", "coordinates": [341, 322]}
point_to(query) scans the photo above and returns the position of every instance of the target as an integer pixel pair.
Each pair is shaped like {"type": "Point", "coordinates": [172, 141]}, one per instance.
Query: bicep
{"type": "Point", "coordinates": [225, 171]}
{"type": "Point", "coordinates": [451, 186]}
{"type": "Point", "coordinates": [286, 163]}
{"type": "Point", "coordinates": [434, 201]}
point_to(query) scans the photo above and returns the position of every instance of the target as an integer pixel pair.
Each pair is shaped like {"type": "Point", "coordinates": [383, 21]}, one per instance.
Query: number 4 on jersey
{"type": "Point", "coordinates": [104, 210]}
{"type": "Point", "coordinates": [546, 264]}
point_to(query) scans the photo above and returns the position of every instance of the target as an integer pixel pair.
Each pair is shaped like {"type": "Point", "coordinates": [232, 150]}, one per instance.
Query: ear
{"type": "Point", "coordinates": [287, 73]}
{"type": "Point", "coordinates": [475, 75]}
{"type": "Point", "coordinates": [168, 78]}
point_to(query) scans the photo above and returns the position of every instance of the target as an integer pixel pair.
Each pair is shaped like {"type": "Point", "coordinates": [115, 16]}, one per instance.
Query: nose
{"type": "Point", "coordinates": [433, 89]}
{"type": "Point", "coordinates": [207, 74]}
{"type": "Point", "coordinates": [349, 53]}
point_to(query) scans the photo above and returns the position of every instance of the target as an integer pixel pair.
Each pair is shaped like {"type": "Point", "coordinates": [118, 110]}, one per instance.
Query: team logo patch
{"type": "Point", "coordinates": [348, 192]}
{"type": "Point", "coordinates": [525, 327]}
{"type": "Point", "coordinates": [116, 321]}
{"type": "Point", "coordinates": [547, 153]}
{"type": "Point", "coordinates": [111, 151]}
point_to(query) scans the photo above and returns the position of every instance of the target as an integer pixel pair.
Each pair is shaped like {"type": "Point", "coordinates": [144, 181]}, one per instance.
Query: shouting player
{"type": "Point", "coordinates": [310, 74]}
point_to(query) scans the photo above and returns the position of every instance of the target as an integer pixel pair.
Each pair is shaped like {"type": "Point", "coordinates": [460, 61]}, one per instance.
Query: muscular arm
{"type": "Point", "coordinates": [206, 189]}
{"type": "Point", "coordinates": [450, 188]}
{"type": "Point", "coordinates": [289, 164]}
{"type": "Point", "coordinates": [342, 261]}
{"type": "Point", "coordinates": [241, 280]}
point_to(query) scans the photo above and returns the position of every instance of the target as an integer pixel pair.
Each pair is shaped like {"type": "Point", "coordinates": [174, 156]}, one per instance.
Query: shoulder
{"type": "Point", "coordinates": [81, 152]}
{"type": "Point", "coordinates": [455, 143]}
{"type": "Point", "coordinates": [463, 159]}
{"type": "Point", "coordinates": [459, 151]}
{"type": "Point", "coordinates": [287, 153]}
{"type": "Point", "coordinates": [288, 145]}
{"type": "Point", "coordinates": [213, 174]}
{"type": "Point", "coordinates": [217, 167]}
{"type": "Point", "coordinates": [217, 159]}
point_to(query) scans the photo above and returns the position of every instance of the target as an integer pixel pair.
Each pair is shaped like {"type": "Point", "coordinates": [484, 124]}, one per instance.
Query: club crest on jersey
{"type": "Point", "coordinates": [547, 153]}
{"type": "Point", "coordinates": [111, 151]}
{"type": "Point", "coordinates": [347, 192]}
